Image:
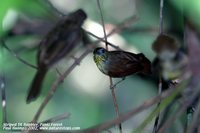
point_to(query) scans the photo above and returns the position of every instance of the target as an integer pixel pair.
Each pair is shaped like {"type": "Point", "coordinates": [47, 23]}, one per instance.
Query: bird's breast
{"type": "Point", "coordinates": [103, 66]}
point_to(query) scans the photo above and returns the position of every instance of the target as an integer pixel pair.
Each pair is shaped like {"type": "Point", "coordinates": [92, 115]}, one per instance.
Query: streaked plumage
{"type": "Point", "coordinates": [120, 63]}
{"type": "Point", "coordinates": [57, 44]}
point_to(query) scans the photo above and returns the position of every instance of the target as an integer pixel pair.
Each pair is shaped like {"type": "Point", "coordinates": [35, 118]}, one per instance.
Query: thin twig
{"type": "Point", "coordinates": [3, 97]}
{"type": "Point", "coordinates": [142, 29]}
{"type": "Point", "coordinates": [22, 60]}
{"type": "Point", "coordinates": [166, 113]}
{"type": "Point", "coordinates": [17, 56]}
{"type": "Point", "coordinates": [51, 120]}
{"type": "Point", "coordinates": [57, 118]}
{"type": "Point", "coordinates": [3, 88]}
{"type": "Point", "coordinates": [115, 102]}
{"type": "Point", "coordinates": [156, 123]}
{"type": "Point", "coordinates": [57, 82]}
{"type": "Point", "coordinates": [103, 24]}
{"type": "Point", "coordinates": [126, 23]}
{"type": "Point", "coordinates": [181, 110]}
{"type": "Point", "coordinates": [195, 121]}
{"type": "Point", "coordinates": [161, 16]}
{"type": "Point", "coordinates": [165, 102]}
{"type": "Point", "coordinates": [110, 44]}
{"type": "Point", "coordinates": [127, 115]}
{"type": "Point", "coordinates": [110, 78]}
{"type": "Point", "coordinates": [59, 73]}
{"type": "Point", "coordinates": [155, 128]}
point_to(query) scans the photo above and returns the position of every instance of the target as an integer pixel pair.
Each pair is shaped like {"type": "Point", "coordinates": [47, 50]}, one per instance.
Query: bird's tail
{"type": "Point", "coordinates": [147, 68]}
{"type": "Point", "coordinates": [146, 63]}
{"type": "Point", "coordinates": [36, 85]}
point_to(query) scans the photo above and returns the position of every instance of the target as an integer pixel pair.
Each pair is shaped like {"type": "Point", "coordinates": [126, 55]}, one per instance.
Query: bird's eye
{"type": "Point", "coordinates": [102, 51]}
{"type": "Point", "coordinates": [99, 51]}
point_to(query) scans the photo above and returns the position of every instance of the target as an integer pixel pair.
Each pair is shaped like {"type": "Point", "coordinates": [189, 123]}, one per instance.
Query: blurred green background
{"type": "Point", "coordinates": [85, 93]}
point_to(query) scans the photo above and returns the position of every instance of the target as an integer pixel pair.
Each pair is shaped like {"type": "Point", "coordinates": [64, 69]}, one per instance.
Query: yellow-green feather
{"type": "Point", "coordinates": [100, 62]}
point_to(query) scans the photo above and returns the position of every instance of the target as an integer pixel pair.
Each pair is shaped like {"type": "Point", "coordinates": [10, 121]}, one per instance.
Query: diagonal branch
{"type": "Point", "coordinates": [196, 119]}
{"type": "Point", "coordinates": [17, 56]}
{"type": "Point", "coordinates": [57, 82]}
{"type": "Point", "coordinates": [125, 116]}
{"type": "Point", "coordinates": [181, 110]}
{"type": "Point", "coordinates": [57, 118]}
{"type": "Point", "coordinates": [101, 39]}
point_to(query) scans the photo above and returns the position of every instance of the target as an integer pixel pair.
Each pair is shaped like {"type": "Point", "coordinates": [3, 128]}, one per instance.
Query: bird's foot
{"type": "Point", "coordinates": [113, 87]}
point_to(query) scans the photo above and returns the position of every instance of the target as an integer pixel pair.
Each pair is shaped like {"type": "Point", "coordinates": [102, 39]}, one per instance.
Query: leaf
{"type": "Point", "coordinates": [162, 106]}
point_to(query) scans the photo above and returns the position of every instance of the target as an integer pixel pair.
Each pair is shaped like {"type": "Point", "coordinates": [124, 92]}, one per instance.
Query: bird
{"type": "Point", "coordinates": [168, 67]}
{"type": "Point", "coordinates": [170, 59]}
{"type": "Point", "coordinates": [119, 64]}
{"type": "Point", "coordinates": [58, 43]}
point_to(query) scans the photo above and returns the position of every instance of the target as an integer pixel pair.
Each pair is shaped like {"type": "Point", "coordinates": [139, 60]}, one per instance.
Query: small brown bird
{"type": "Point", "coordinates": [119, 64]}
{"type": "Point", "coordinates": [57, 44]}
{"type": "Point", "coordinates": [170, 59]}
{"type": "Point", "coordinates": [165, 46]}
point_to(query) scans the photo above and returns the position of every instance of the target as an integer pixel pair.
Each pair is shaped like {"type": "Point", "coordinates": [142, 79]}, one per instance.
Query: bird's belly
{"type": "Point", "coordinates": [103, 68]}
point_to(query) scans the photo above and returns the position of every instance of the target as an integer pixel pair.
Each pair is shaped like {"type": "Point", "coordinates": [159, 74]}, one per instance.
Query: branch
{"type": "Point", "coordinates": [3, 88]}
{"type": "Point", "coordinates": [165, 102]}
{"type": "Point", "coordinates": [112, 88]}
{"type": "Point", "coordinates": [125, 116]}
{"type": "Point", "coordinates": [101, 39]}
{"type": "Point", "coordinates": [57, 118]}
{"type": "Point", "coordinates": [17, 56]}
{"type": "Point", "coordinates": [3, 96]}
{"type": "Point", "coordinates": [161, 16]}
{"type": "Point", "coordinates": [103, 25]}
{"type": "Point", "coordinates": [181, 110]}
{"type": "Point", "coordinates": [195, 121]}
{"type": "Point", "coordinates": [110, 78]}
{"type": "Point", "coordinates": [142, 29]}
{"type": "Point", "coordinates": [57, 82]}
{"type": "Point", "coordinates": [155, 128]}
{"type": "Point", "coordinates": [124, 25]}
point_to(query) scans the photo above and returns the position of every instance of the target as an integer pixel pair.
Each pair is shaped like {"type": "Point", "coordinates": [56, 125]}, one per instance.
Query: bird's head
{"type": "Point", "coordinates": [77, 17]}
{"type": "Point", "coordinates": [166, 47]}
{"type": "Point", "coordinates": [100, 55]}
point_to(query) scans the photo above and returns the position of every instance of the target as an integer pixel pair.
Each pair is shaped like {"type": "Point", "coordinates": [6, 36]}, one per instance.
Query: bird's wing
{"type": "Point", "coordinates": [123, 63]}
{"type": "Point", "coordinates": [58, 43]}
